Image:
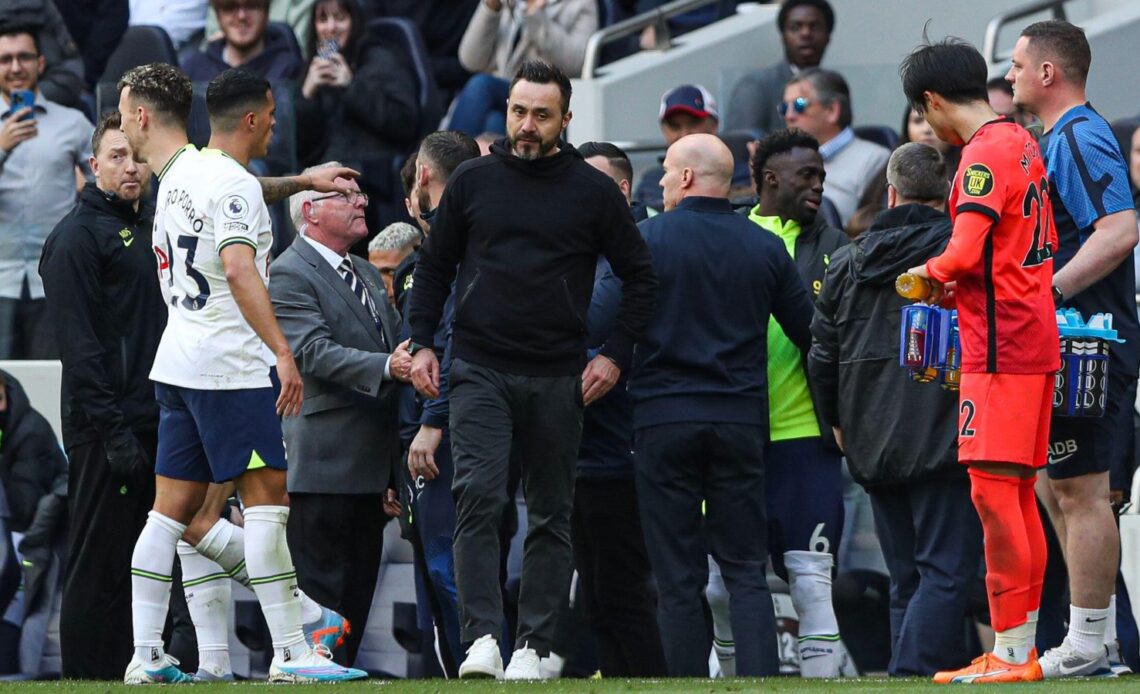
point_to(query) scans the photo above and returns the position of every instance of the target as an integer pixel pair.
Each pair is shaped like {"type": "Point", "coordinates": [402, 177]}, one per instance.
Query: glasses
{"type": "Point", "coordinates": [350, 198]}
{"type": "Point", "coordinates": [799, 105]}
{"type": "Point", "coordinates": [25, 58]}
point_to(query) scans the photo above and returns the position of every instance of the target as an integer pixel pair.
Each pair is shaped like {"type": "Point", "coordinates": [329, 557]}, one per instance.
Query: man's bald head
{"type": "Point", "coordinates": [698, 164]}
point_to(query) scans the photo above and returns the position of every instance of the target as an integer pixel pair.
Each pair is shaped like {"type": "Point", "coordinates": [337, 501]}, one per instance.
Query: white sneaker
{"type": "Point", "coordinates": [551, 666]}
{"type": "Point", "coordinates": [483, 659]}
{"type": "Point", "coordinates": [1065, 661]}
{"type": "Point", "coordinates": [313, 665]}
{"type": "Point", "coordinates": [524, 665]}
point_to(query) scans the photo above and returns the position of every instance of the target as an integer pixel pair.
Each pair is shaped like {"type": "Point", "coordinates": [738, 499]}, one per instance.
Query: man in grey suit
{"type": "Point", "coordinates": [805, 29]}
{"type": "Point", "coordinates": [335, 313]}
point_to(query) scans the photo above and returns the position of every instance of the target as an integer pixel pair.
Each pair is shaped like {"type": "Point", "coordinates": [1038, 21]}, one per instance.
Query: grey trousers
{"type": "Point", "coordinates": [541, 417]}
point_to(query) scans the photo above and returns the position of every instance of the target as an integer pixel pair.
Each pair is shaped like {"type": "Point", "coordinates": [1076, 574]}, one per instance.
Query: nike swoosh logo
{"type": "Point", "coordinates": [809, 657]}
{"type": "Point", "coordinates": [1054, 461]}
{"type": "Point", "coordinates": [1094, 621]}
{"type": "Point", "coordinates": [1069, 670]}
{"type": "Point", "coordinates": [1002, 592]}
{"type": "Point", "coordinates": [966, 679]}
{"type": "Point", "coordinates": [128, 242]}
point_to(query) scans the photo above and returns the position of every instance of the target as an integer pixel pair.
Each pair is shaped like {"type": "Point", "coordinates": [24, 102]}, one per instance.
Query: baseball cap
{"type": "Point", "coordinates": [689, 98]}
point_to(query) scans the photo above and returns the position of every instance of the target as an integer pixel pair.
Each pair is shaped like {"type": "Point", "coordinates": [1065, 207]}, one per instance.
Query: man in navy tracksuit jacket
{"type": "Point", "coordinates": [699, 387]}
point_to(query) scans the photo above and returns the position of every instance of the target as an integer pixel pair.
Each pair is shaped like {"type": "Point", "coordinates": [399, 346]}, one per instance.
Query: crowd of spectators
{"type": "Point", "coordinates": [350, 96]}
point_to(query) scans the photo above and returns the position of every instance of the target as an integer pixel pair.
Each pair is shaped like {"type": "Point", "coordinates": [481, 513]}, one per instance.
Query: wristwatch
{"type": "Point", "coordinates": [414, 347]}
{"type": "Point", "coordinates": [1058, 296]}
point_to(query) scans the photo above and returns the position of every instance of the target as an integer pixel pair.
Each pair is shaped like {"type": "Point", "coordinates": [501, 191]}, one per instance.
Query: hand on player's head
{"type": "Point", "coordinates": [325, 180]}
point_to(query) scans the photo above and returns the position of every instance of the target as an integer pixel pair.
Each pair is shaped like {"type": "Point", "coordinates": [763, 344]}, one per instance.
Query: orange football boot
{"type": "Point", "coordinates": [988, 668]}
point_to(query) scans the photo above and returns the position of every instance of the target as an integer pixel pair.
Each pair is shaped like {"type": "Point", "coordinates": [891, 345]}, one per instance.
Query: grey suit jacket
{"type": "Point", "coordinates": [755, 97]}
{"type": "Point", "coordinates": [345, 440]}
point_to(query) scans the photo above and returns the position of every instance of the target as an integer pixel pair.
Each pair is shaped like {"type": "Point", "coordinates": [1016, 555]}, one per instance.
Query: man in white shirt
{"type": "Point", "coordinates": [218, 404]}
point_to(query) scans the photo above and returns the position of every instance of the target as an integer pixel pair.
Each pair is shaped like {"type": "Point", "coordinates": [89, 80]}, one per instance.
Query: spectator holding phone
{"type": "Point", "coordinates": [358, 99]}
{"type": "Point", "coordinates": [41, 143]}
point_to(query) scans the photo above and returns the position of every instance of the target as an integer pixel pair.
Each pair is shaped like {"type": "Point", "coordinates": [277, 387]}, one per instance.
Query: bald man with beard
{"type": "Point", "coordinates": [699, 387]}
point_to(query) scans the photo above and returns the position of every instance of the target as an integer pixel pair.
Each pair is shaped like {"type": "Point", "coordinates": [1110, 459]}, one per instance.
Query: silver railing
{"type": "Point", "coordinates": [993, 29]}
{"type": "Point", "coordinates": [658, 18]}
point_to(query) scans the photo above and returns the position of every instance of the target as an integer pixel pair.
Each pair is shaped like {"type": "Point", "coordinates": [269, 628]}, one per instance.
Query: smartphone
{"type": "Point", "coordinates": [24, 98]}
{"type": "Point", "coordinates": [327, 48]}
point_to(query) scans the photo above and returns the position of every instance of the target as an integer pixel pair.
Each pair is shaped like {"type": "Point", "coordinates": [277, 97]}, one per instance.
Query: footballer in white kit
{"type": "Point", "coordinates": [212, 371]}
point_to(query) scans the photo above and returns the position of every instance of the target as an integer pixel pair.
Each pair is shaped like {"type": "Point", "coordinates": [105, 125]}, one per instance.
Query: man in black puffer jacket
{"type": "Point", "coordinates": [900, 437]}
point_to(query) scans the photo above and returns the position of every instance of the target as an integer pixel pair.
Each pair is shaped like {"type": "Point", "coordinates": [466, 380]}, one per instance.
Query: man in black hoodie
{"type": "Point", "coordinates": [523, 228]}
{"type": "Point", "coordinates": [900, 436]}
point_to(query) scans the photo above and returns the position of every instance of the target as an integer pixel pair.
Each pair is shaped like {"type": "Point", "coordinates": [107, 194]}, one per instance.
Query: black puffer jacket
{"type": "Point", "coordinates": [894, 430]}
{"type": "Point", "coordinates": [32, 464]}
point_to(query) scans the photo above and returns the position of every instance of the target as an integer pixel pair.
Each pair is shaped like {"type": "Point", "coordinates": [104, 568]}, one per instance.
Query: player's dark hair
{"type": "Point", "coordinates": [617, 157]}
{"type": "Point", "coordinates": [444, 150]}
{"type": "Point", "coordinates": [539, 72]}
{"type": "Point", "coordinates": [231, 95]}
{"type": "Point", "coordinates": [918, 172]}
{"type": "Point", "coordinates": [951, 68]}
{"type": "Point", "coordinates": [17, 29]}
{"type": "Point", "coordinates": [830, 88]}
{"type": "Point", "coordinates": [774, 144]}
{"type": "Point", "coordinates": [408, 174]}
{"type": "Point", "coordinates": [1063, 44]}
{"type": "Point", "coordinates": [110, 121]}
{"type": "Point", "coordinates": [823, 6]}
{"type": "Point", "coordinates": [165, 89]}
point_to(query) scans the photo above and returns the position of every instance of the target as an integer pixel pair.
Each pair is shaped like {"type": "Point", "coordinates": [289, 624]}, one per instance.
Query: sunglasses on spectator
{"type": "Point", "coordinates": [350, 198]}
{"type": "Point", "coordinates": [799, 105]}
{"type": "Point", "coordinates": [25, 58]}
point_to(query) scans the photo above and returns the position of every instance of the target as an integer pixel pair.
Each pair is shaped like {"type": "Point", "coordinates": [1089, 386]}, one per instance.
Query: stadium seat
{"type": "Point", "coordinates": [737, 141]}
{"type": "Point", "coordinates": [139, 46]}
{"type": "Point", "coordinates": [400, 32]}
{"type": "Point", "coordinates": [879, 134]}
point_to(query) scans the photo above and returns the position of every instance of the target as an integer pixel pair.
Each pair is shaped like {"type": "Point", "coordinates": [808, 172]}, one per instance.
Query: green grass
{"type": "Point", "coordinates": [677, 686]}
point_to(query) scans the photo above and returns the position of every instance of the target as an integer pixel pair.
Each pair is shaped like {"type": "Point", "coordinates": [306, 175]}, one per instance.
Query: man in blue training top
{"type": "Point", "coordinates": [1096, 232]}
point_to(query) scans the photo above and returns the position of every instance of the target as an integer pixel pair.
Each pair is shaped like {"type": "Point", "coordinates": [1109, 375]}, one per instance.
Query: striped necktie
{"type": "Point", "coordinates": [356, 286]}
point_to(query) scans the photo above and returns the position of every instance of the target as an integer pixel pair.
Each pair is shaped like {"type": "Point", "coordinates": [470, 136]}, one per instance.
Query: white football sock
{"type": "Point", "coordinates": [1031, 623]}
{"type": "Point", "coordinates": [809, 583]}
{"type": "Point", "coordinates": [273, 578]}
{"type": "Point", "coordinates": [207, 588]}
{"type": "Point", "coordinates": [1086, 629]}
{"type": "Point", "coordinates": [1012, 645]}
{"type": "Point", "coordinates": [151, 566]}
{"type": "Point", "coordinates": [723, 645]}
{"type": "Point", "coordinates": [225, 544]}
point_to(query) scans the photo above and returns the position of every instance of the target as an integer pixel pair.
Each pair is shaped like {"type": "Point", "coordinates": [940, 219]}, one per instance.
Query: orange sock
{"type": "Point", "coordinates": [1007, 545]}
{"type": "Point", "coordinates": [1038, 549]}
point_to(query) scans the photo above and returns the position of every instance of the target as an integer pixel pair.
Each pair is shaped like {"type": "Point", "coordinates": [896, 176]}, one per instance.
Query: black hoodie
{"type": "Point", "coordinates": [524, 237]}
{"type": "Point", "coordinates": [894, 430]}
{"type": "Point", "coordinates": [103, 297]}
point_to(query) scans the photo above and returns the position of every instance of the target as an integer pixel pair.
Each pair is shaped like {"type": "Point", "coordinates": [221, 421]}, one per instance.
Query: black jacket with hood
{"type": "Point", "coordinates": [894, 430]}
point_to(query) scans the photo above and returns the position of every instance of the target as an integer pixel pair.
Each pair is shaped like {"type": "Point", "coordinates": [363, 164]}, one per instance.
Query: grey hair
{"type": "Point", "coordinates": [830, 87]}
{"type": "Point", "coordinates": [296, 200]}
{"type": "Point", "coordinates": [918, 172]}
{"type": "Point", "coordinates": [395, 237]}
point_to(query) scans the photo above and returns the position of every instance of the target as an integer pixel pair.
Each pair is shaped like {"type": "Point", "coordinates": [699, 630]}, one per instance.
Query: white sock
{"type": "Point", "coordinates": [723, 645]}
{"type": "Point", "coordinates": [1086, 629]}
{"type": "Point", "coordinates": [1031, 623]}
{"type": "Point", "coordinates": [207, 588]}
{"type": "Point", "coordinates": [273, 578]}
{"type": "Point", "coordinates": [1012, 645]}
{"type": "Point", "coordinates": [1110, 623]}
{"type": "Point", "coordinates": [151, 566]}
{"type": "Point", "coordinates": [225, 544]}
{"type": "Point", "coordinates": [809, 583]}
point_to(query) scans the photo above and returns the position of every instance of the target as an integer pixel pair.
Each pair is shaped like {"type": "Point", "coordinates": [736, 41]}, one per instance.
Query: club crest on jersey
{"type": "Point", "coordinates": [977, 180]}
{"type": "Point", "coordinates": [234, 207]}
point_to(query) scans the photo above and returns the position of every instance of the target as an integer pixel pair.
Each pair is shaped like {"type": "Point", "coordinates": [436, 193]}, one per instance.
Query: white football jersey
{"type": "Point", "coordinates": [207, 201]}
